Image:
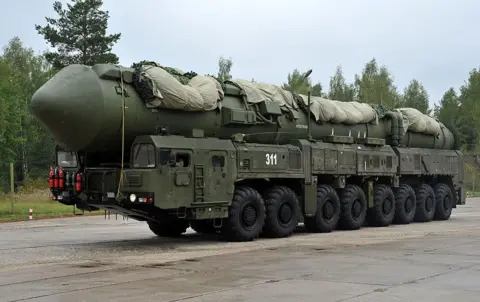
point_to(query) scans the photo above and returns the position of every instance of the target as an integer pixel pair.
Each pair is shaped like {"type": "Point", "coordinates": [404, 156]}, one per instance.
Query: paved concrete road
{"type": "Point", "coordinates": [90, 259]}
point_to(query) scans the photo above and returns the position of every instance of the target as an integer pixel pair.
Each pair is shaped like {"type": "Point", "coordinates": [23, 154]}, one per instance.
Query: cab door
{"type": "Point", "coordinates": [211, 177]}
{"type": "Point", "coordinates": [177, 178]}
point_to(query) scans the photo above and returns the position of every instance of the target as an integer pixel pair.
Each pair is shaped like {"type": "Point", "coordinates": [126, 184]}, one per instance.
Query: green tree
{"type": "Point", "coordinates": [27, 142]}
{"type": "Point", "coordinates": [296, 82]}
{"type": "Point", "coordinates": [376, 85]}
{"type": "Point", "coordinates": [224, 69]}
{"type": "Point", "coordinates": [79, 34]}
{"type": "Point", "coordinates": [10, 114]}
{"type": "Point", "coordinates": [416, 96]}
{"type": "Point", "coordinates": [339, 89]}
{"type": "Point", "coordinates": [448, 109]}
{"type": "Point", "coordinates": [468, 122]}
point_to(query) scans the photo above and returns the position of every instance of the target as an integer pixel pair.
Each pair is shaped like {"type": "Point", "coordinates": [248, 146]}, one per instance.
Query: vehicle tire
{"type": "Point", "coordinates": [383, 211]}
{"type": "Point", "coordinates": [444, 202]}
{"type": "Point", "coordinates": [405, 204]}
{"type": "Point", "coordinates": [203, 226]}
{"type": "Point", "coordinates": [246, 216]}
{"type": "Point", "coordinates": [353, 208]}
{"type": "Point", "coordinates": [168, 227]}
{"type": "Point", "coordinates": [282, 212]}
{"type": "Point", "coordinates": [328, 211]}
{"type": "Point", "coordinates": [425, 203]}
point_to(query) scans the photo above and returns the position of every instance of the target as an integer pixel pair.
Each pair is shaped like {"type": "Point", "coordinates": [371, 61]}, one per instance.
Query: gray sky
{"type": "Point", "coordinates": [435, 41]}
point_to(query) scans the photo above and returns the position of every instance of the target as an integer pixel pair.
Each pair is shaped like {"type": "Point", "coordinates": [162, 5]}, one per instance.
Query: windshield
{"type": "Point", "coordinates": [143, 156]}
{"type": "Point", "coordinates": [67, 159]}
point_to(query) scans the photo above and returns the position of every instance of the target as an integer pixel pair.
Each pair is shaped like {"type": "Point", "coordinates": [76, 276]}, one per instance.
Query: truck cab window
{"type": "Point", "coordinates": [67, 159]}
{"type": "Point", "coordinates": [143, 156]}
{"type": "Point", "coordinates": [182, 160]}
{"type": "Point", "coordinates": [172, 159]}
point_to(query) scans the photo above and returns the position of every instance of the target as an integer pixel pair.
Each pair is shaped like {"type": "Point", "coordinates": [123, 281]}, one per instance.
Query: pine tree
{"type": "Point", "coordinates": [416, 96]}
{"type": "Point", "coordinates": [339, 89]}
{"type": "Point", "coordinates": [448, 109]}
{"type": "Point", "coordinates": [79, 34]}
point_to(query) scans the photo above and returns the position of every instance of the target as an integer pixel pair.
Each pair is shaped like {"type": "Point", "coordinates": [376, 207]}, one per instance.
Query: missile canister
{"type": "Point", "coordinates": [81, 106]}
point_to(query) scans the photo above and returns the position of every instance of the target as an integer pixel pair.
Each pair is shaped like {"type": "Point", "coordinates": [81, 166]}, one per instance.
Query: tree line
{"type": "Point", "coordinates": [78, 34]}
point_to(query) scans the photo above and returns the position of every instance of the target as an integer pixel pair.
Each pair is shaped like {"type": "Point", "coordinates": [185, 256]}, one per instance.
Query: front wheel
{"type": "Point", "coordinates": [168, 227]}
{"type": "Point", "coordinates": [246, 215]}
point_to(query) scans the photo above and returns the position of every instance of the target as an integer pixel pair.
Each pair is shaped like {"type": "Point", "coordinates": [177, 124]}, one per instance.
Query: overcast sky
{"type": "Point", "coordinates": [435, 41]}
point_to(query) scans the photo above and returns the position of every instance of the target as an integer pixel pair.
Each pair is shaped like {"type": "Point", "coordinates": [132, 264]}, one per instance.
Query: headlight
{"type": "Point", "coordinates": [132, 197]}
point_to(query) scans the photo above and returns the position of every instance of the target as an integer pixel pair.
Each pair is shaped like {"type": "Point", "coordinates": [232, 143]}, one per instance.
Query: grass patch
{"type": "Point", "coordinates": [41, 204]}
{"type": "Point", "coordinates": [472, 194]}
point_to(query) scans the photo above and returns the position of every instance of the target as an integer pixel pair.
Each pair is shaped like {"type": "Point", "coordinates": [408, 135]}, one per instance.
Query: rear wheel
{"type": "Point", "coordinates": [354, 208]}
{"type": "Point", "coordinates": [246, 215]}
{"type": "Point", "coordinates": [425, 203]}
{"type": "Point", "coordinates": [383, 209]}
{"type": "Point", "coordinates": [444, 202]}
{"type": "Point", "coordinates": [328, 211]}
{"type": "Point", "coordinates": [282, 214]}
{"type": "Point", "coordinates": [405, 204]}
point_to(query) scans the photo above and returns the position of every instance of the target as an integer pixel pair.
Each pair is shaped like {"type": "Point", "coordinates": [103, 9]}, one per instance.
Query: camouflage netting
{"type": "Point", "coordinates": [258, 92]}
{"type": "Point", "coordinates": [172, 88]}
{"type": "Point", "coordinates": [416, 121]}
{"type": "Point", "coordinates": [336, 112]}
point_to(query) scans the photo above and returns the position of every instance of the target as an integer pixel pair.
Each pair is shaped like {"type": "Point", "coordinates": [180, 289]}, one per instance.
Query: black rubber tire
{"type": "Point", "coordinates": [282, 212]}
{"type": "Point", "coordinates": [444, 202]}
{"type": "Point", "coordinates": [328, 211]}
{"type": "Point", "coordinates": [168, 227]}
{"type": "Point", "coordinates": [405, 204]}
{"type": "Point", "coordinates": [234, 227]}
{"type": "Point", "coordinates": [353, 208]}
{"type": "Point", "coordinates": [383, 210]}
{"type": "Point", "coordinates": [203, 226]}
{"type": "Point", "coordinates": [425, 210]}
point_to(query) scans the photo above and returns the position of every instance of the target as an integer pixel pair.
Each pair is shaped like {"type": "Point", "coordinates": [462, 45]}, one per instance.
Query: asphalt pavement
{"type": "Point", "coordinates": [93, 259]}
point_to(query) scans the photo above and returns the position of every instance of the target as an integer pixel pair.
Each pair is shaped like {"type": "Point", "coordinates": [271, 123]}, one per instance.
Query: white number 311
{"type": "Point", "coordinates": [271, 159]}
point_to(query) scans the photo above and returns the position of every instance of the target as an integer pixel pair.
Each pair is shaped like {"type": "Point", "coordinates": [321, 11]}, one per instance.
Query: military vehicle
{"type": "Point", "coordinates": [238, 158]}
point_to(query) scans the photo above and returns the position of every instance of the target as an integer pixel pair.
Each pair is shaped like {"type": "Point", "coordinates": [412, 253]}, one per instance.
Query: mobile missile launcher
{"type": "Point", "coordinates": [242, 159]}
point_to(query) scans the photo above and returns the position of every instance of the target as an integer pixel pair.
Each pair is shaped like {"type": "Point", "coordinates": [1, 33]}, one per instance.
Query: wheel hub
{"type": "Point", "coordinates": [285, 213]}
{"type": "Point", "coordinates": [356, 208]}
{"type": "Point", "coordinates": [428, 204]}
{"type": "Point", "coordinates": [328, 210]}
{"type": "Point", "coordinates": [447, 203]}
{"type": "Point", "coordinates": [249, 215]}
{"type": "Point", "coordinates": [408, 205]}
{"type": "Point", "coordinates": [387, 206]}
